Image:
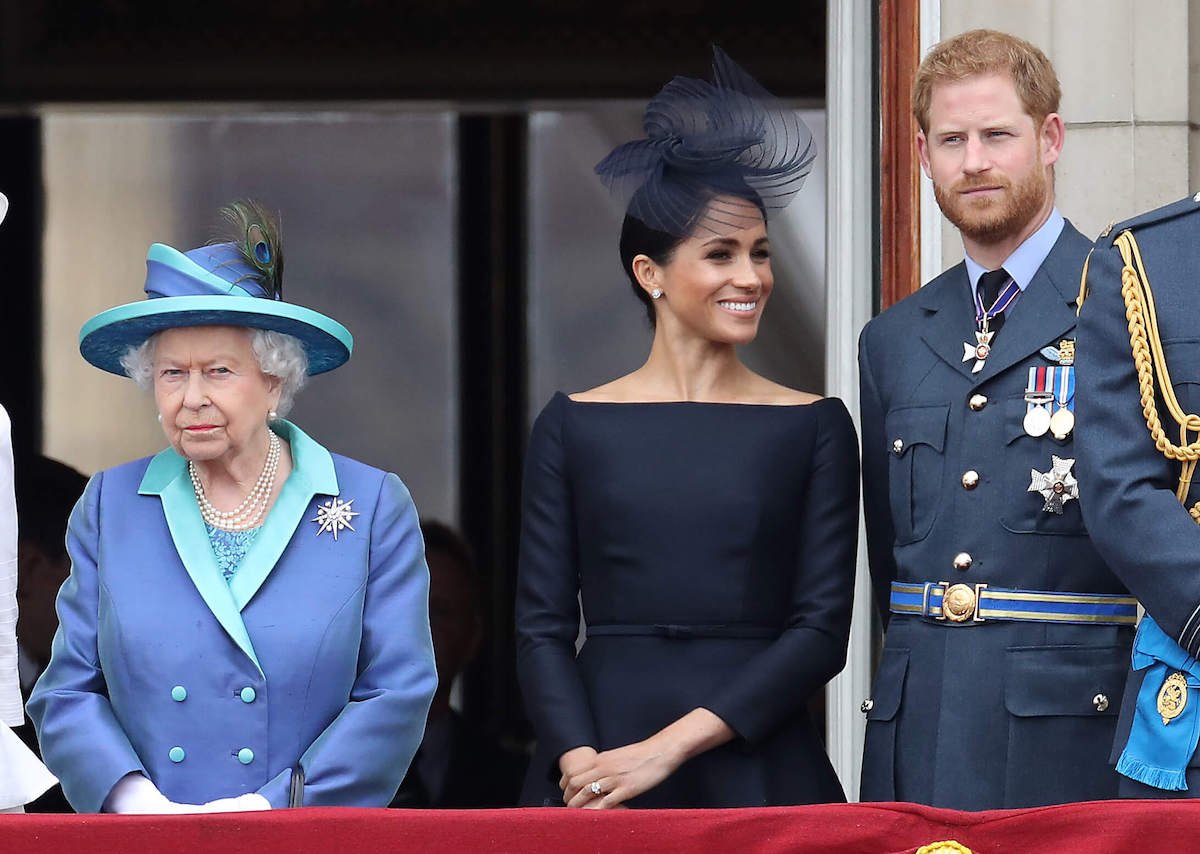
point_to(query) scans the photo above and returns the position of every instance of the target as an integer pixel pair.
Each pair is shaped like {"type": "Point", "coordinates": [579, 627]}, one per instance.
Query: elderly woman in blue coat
{"type": "Point", "coordinates": [246, 623]}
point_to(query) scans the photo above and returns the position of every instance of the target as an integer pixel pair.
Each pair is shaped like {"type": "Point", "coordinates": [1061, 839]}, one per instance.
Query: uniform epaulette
{"type": "Point", "coordinates": [1190, 204]}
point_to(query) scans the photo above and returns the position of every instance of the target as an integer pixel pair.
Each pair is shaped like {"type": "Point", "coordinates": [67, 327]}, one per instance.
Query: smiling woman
{"type": "Point", "coordinates": [211, 655]}
{"type": "Point", "coordinates": [705, 516]}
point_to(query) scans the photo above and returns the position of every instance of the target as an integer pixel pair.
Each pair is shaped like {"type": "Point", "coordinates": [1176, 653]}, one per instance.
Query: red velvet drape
{"type": "Point", "coordinates": [1102, 826]}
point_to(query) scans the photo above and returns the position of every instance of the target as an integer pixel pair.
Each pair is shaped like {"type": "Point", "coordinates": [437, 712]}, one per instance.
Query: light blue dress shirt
{"type": "Point", "coordinates": [1027, 258]}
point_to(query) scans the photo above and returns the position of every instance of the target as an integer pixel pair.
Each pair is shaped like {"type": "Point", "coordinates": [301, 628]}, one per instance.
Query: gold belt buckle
{"type": "Point", "coordinates": [960, 602]}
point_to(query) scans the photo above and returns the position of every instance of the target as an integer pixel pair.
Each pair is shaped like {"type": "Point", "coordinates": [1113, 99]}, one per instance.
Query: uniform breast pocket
{"type": "Point", "coordinates": [916, 437]}
{"type": "Point", "coordinates": [1029, 507]}
{"type": "Point", "coordinates": [1183, 363]}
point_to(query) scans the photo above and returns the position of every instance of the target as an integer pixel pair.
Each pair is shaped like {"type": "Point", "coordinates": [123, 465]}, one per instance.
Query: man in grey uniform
{"type": "Point", "coordinates": [1007, 636]}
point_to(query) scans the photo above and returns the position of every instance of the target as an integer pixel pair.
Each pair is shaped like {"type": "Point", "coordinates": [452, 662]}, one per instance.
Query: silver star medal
{"type": "Point", "coordinates": [979, 350]}
{"type": "Point", "coordinates": [1057, 486]}
{"type": "Point", "coordinates": [334, 516]}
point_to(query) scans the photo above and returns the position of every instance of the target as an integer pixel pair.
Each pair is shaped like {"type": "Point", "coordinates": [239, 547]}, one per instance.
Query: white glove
{"type": "Point", "coordinates": [250, 802]}
{"type": "Point", "coordinates": [135, 794]}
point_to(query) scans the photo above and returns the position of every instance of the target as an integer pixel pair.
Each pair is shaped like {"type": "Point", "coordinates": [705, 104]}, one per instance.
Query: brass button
{"type": "Point", "coordinates": [898, 447]}
{"type": "Point", "coordinates": [1100, 701]}
{"type": "Point", "coordinates": [977, 402]}
{"type": "Point", "coordinates": [867, 705]}
{"type": "Point", "coordinates": [958, 603]}
{"type": "Point", "coordinates": [970, 479]}
{"type": "Point", "coordinates": [962, 561]}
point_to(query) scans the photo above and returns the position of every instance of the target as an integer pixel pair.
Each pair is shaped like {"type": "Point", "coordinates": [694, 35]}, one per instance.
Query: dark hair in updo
{"type": "Point", "coordinates": [637, 238]}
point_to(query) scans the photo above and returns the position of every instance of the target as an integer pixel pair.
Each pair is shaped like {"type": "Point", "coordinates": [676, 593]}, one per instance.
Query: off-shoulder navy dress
{"type": "Point", "coordinates": [712, 547]}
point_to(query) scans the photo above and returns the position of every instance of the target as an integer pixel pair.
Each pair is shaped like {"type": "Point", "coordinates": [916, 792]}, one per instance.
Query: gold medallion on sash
{"type": "Point", "coordinates": [1172, 697]}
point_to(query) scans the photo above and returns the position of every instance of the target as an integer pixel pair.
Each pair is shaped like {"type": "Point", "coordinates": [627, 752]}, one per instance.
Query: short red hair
{"type": "Point", "coordinates": [977, 52]}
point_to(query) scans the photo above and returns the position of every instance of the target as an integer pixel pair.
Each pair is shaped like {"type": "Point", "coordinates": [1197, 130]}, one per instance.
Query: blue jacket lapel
{"type": "Point", "coordinates": [166, 477]}
{"type": "Point", "coordinates": [312, 474]}
{"type": "Point", "coordinates": [951, 321]}
{"type": "Point", "coordinates": [1046, 310]}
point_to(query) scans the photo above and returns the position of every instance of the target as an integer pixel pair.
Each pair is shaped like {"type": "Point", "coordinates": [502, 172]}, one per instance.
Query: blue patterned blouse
{"type": "Point", "coordinates": [230, 547]}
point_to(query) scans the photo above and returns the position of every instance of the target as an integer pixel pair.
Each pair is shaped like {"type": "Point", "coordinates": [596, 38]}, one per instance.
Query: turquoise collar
{"type": "Point", "coordinates": [309, 459]}
{"type": "Point", "coordinates": [167, 477]}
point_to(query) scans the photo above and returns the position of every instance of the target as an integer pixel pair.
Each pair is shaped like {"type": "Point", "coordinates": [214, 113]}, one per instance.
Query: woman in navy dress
{"type": "Point", "coordinates": [705, 517]}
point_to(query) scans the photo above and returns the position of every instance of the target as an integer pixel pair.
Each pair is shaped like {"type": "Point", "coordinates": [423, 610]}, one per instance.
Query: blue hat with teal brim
{"type": "Point", "coordinates": [209, 286]}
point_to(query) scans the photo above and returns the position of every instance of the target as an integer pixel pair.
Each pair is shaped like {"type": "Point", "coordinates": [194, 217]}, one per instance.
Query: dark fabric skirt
{"type": "Point", "coordinates": [638, 685]}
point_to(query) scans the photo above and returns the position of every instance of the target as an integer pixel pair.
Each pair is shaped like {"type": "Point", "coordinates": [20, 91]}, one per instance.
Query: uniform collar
{"type": "Point", "coordinates": [1027, 258]}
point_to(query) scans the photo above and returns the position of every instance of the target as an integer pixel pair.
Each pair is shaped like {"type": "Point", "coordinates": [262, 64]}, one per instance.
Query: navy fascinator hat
{"type": "Point", "coordinates": [705, 140]}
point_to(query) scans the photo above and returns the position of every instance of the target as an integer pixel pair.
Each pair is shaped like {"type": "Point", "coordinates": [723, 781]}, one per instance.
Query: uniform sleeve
{"type": "Point", "coordinates": [1127, 488]}
{"type": "Point", "coordinates": [877, 511]}
{"type": "Point", "coordinates": [547, 598]}
{"type": "Point", "coordinates": [812, 648]}
{"type": "Point", "coordinates": [362, 756]}
{"type": "Point", "coordinates": [81, 740]}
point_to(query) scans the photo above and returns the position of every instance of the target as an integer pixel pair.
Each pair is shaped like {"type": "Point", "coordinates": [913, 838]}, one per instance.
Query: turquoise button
{"type": "Point", "coordinates": [179, 693]}
{"type": "Point", "coordinates": [176, 754]}
{"type": "Point", "coordinates": [248, 694]}
{"type": "Point", "coordinates": [245, 756]}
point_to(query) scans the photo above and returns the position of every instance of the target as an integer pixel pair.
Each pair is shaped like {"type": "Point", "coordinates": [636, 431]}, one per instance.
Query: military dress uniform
{"type": "Point", "coordinates": [1007, 637]}
{"type": "Point", "coordinates": [1139, 383]}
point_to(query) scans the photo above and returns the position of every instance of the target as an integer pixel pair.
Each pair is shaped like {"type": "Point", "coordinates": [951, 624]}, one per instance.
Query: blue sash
{"type": "Point", "coordinates": [1157, 754]}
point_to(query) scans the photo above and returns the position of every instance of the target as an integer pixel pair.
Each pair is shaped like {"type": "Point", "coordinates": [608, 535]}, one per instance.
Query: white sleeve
{"type": "Point", "coordinates": [11, 711]}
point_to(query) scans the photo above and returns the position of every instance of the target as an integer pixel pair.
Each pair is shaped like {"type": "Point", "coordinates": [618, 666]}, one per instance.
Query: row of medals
{"type": "Point", "coordinates": [1038, 419]}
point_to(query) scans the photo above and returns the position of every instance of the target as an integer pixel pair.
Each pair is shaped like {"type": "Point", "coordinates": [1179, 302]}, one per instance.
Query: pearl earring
{"type": "Point", "coordinates": [656, 293]}
{"type": "Point", "coordinates": [159, 416]}
{"type": "Point", "coordinates": [272, 415]}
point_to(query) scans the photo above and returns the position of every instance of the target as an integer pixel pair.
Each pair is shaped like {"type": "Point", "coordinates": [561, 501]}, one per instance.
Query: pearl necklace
{"type": "Point", "coordinates": [247, 514]}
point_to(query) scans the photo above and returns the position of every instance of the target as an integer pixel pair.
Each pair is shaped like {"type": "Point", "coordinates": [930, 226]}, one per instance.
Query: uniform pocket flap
{"type": "Point", "coordinates": [1065, 680]}
{"type": "Point", "coordinates": [889, 685]}
{"type": "Point", "coordinates": [1183, 360]}
{"type": "Point", "coordinates": [917, 425]}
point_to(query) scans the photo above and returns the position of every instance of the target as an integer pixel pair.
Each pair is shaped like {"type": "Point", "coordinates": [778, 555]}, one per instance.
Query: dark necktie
{"type": "Point", "coordinates": [990, 284]}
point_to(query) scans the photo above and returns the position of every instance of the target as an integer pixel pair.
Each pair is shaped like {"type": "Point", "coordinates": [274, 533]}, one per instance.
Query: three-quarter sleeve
{"type": "Point", "coordinates": [81, 739]}
{"type": "Point", "coordinates": [361, 758]}
{"type": "Point", "coordinates": [547, 603]}
{"type": "Point", "coordinates": [811, 650]}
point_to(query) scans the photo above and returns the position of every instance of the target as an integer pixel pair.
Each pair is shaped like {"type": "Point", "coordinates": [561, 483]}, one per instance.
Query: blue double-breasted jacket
{"type": "Point", "coordinates": [317, 653]}
{"type": "Point", "coordinates": [989, 714]}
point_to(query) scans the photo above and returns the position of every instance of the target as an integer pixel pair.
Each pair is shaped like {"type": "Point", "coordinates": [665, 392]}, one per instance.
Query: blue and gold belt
{"type": "Point", "coordinates": [978, 603]}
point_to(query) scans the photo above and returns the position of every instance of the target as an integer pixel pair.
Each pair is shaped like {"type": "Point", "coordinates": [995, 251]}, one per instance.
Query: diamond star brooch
{"type": "Point", "coordinates": [334, 516]}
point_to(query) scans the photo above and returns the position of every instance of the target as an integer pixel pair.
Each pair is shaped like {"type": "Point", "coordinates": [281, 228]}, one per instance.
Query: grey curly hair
{"type": "Point", "coordinates": [278, 354]}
